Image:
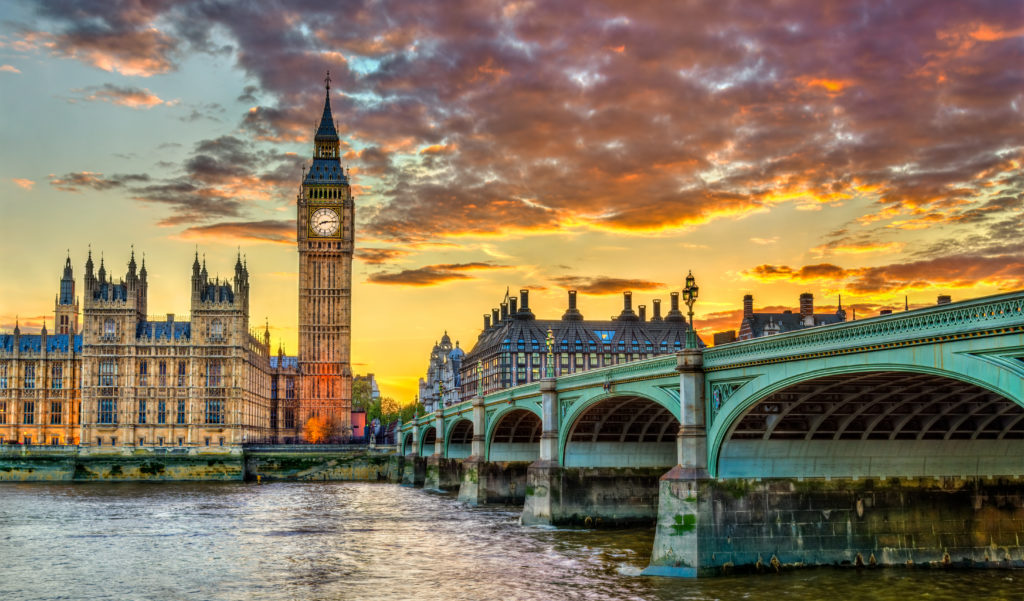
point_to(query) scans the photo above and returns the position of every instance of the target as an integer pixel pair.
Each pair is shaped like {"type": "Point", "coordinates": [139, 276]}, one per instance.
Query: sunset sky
{"type": "Point", "coordinates": [871, 150]}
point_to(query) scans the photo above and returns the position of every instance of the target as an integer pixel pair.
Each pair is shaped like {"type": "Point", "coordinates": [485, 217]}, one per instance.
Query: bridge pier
{"type": "Point", "coordinates": [470, 490]}
{"type": "Point", "coordinates": [442, 473]}
{"type": "Point", "coordinates": [414, 470]}
{"type": "Point", "coordinates": [493, 482]}
{"type": "Point", "coordinates": [677, 540]}
{"type": "Point", "coordinates": [541, 475]}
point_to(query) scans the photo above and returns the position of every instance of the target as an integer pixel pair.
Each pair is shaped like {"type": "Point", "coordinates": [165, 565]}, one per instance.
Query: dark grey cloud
{"type": "Point", "coordinates": [628, 117]}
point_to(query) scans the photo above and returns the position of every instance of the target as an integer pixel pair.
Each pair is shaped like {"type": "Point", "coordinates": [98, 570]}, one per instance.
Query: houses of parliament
{"type": "Point", "coordinates": [113, 375]}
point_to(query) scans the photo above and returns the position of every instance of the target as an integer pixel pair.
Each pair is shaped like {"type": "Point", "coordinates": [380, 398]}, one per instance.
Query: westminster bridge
{"type": "Point", "coordinates": [894, 440]}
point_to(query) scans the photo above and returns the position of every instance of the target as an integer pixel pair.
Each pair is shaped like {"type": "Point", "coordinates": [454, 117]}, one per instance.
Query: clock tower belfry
{"type": "Point", "coordinates": [325, 223]}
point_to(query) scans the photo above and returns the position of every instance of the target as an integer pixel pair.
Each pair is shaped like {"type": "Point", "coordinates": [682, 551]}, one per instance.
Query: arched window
{"type": "Point", "coordinates": [217, 329]}
{"type": "Point", "coordinates": [109, 327]}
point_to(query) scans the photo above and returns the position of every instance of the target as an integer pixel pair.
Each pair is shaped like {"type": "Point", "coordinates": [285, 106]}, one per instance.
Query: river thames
{"type": "Point", "coordinates": [353, 541]}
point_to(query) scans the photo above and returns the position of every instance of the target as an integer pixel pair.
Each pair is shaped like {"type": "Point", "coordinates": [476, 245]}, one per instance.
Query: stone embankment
{"type": "Point", "coordinates": [279, 462]}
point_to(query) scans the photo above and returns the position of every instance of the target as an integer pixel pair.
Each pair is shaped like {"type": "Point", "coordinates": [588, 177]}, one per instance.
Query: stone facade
{"type": "Point", "coordinates": [128, 379]}
{"type": "Point", "coordinates": [441, 386]}
{"type": "Point", "coordinates": [121, 378]}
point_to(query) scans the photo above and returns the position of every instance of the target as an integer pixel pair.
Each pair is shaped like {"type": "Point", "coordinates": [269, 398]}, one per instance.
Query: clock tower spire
{"type": "Point", "coordinates": [325, 219]}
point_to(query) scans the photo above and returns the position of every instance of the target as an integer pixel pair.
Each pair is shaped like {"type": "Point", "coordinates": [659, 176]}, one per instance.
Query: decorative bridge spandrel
{"type": "Point", "coordinates": [948, 372]}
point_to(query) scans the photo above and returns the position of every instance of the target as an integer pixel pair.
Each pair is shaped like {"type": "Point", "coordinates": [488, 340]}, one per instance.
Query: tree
{"type": "Point", "coordinates": [318, 430]}
{"type": "Point", "coordinates": [362, 394]}
{"type": "Point", "coordinates": [389, 409]}
{"type": "Point", "coordinates": [408, 412]}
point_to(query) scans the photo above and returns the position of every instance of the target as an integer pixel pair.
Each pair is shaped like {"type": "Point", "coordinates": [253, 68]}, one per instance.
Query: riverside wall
{"type": "Point", "coordinates": [83, 464]}
{"type": "Point", "coordinates": [708, 527]}
{"type": "Point", "coordinates": [897, 521]}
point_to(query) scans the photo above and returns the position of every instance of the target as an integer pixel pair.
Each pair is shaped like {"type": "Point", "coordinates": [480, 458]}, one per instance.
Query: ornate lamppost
{"type": "Point", "coordinates": [690, 297]}
{"type": "Point", "coordinates": [551, 354]}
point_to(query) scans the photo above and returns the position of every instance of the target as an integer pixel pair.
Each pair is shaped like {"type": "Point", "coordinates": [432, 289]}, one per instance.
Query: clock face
{"type": "Point", "coordinates": [324, 222]}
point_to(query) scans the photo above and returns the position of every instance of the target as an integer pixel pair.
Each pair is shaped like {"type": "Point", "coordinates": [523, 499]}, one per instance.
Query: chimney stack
{"type": "Point", "coordinates": [674, 313]}
{"type": "Point", "coordinates": [944, 299]}
{"type": "Point", "coordinates": [512, 302]}
{"type": "Point", "coordinates": [806, 304]}
{"type": "Point", "coordinates": [748, 305]}
{"type": "Point", "coordinates": [627, 307]}
{"type": "Point", "coordinates": [494, 316]}
{"type": "Point", "coordinates": [643, 312]}
{"type": "Point", "coordinates": [657, 310]}
{"type": "Point", "coordinates": [504, 311]}
{"type": "Point", "coordinates": [572, 313]}
{"type": "Point", "coordinates": [524, 306]}
{"type": "Point", "coordinates": [487, 321]}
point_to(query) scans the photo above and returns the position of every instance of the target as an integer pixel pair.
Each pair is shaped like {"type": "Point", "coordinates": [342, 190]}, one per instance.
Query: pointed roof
{"type": "Point", "coordinates": [326, 131]}
{"type": "Point", "coordinates": [67, 268]}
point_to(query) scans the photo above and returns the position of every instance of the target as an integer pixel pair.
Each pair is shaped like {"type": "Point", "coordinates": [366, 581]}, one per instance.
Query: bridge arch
{"type": "Point", "coordinates": [619, 429]}
{"type": "Point", "coordinates": [459, 439]}
{"type": "Point", "coordinates": [869, 420]}
{"type": "Point", "coordinates": [427, 439]}
{"type": "Point", "coordinates": [407, 443]}
{"type": "Point", "coordinates": [513, 434]}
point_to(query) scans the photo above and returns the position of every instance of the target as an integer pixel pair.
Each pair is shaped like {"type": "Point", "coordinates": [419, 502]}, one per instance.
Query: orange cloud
{"type": "Point", "coordinates": [122, 96]}
{"type": "Point", "coordinates": [439, 149]}
{"type": "Point", "coordinates": [273, 231]}
{"type": "Point", "coordinates": [856, 248]}
{"type": "Point", "coordinates": [833, 86]}
{"type": "Point", "coordinates": [603, 285]}
{"type": "Point", "coordinates": [26, 184]}
{"type": "Point", "coordinates": [379, 256]}
{"type": "Point", "coordinates": [430, 275]}
{"type": "Point", "coordinates": [1005, 272]}
{"type": "Point", "coordinates": [9, 69]}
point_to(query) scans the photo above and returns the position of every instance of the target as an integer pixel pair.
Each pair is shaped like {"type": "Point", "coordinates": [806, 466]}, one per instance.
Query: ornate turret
{"type": "Point", "coordinates": [132, 266]}
{"type": "Point", "coordinates": [65, 309]}
{"type": "Point", "coordinates": [242, 283]}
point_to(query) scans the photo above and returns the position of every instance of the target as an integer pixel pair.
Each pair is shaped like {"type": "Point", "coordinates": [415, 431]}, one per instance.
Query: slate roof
{"type": "Point", "coordinates": [788, 321]}
{"type": "Point", "coordinates": [326, 131]}
{"type": "Point", "coordinates": [325, 171]}
{"type": "Point", "coordinates": [180, 330]}
{"type": "Point", "coordinates": [110, 292]}
{"type": "Point", "coordinates": [217, 293]}
{"type": "Point", "coordinates": [582, 336]}
{"type": "Point", "coordinates": [286, 363]}
{"type": "Point", "coordinates": [33, 343]}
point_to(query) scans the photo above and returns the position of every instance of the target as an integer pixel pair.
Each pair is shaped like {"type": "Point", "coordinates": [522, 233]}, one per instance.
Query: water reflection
{"type": "Point", "coordinates": [366, 541]}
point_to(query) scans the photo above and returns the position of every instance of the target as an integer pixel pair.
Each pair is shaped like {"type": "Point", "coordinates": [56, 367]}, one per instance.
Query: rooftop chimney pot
{"type": "Point", "coordinates": [657, 310]}
{"type": "Point", "coordinates": [806, 304]}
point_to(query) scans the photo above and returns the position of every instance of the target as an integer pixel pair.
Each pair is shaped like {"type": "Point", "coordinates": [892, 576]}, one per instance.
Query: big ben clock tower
{"type": "Point", "coordinates": [325, 223]}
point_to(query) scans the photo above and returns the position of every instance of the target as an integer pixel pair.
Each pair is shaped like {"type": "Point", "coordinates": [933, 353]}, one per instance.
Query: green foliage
{"type": "Point", "coordinates": [410, 411]}
{"type": "Point", "coordinates": [362, 395]}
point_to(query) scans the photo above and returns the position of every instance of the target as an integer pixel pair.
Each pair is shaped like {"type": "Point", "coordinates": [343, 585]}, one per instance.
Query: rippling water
{"type": "Point", "coordinates": [366, 541]}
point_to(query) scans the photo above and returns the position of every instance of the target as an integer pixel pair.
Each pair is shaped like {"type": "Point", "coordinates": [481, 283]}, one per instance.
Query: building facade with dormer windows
{"type": "Point", "coordinates": [511, 349]}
